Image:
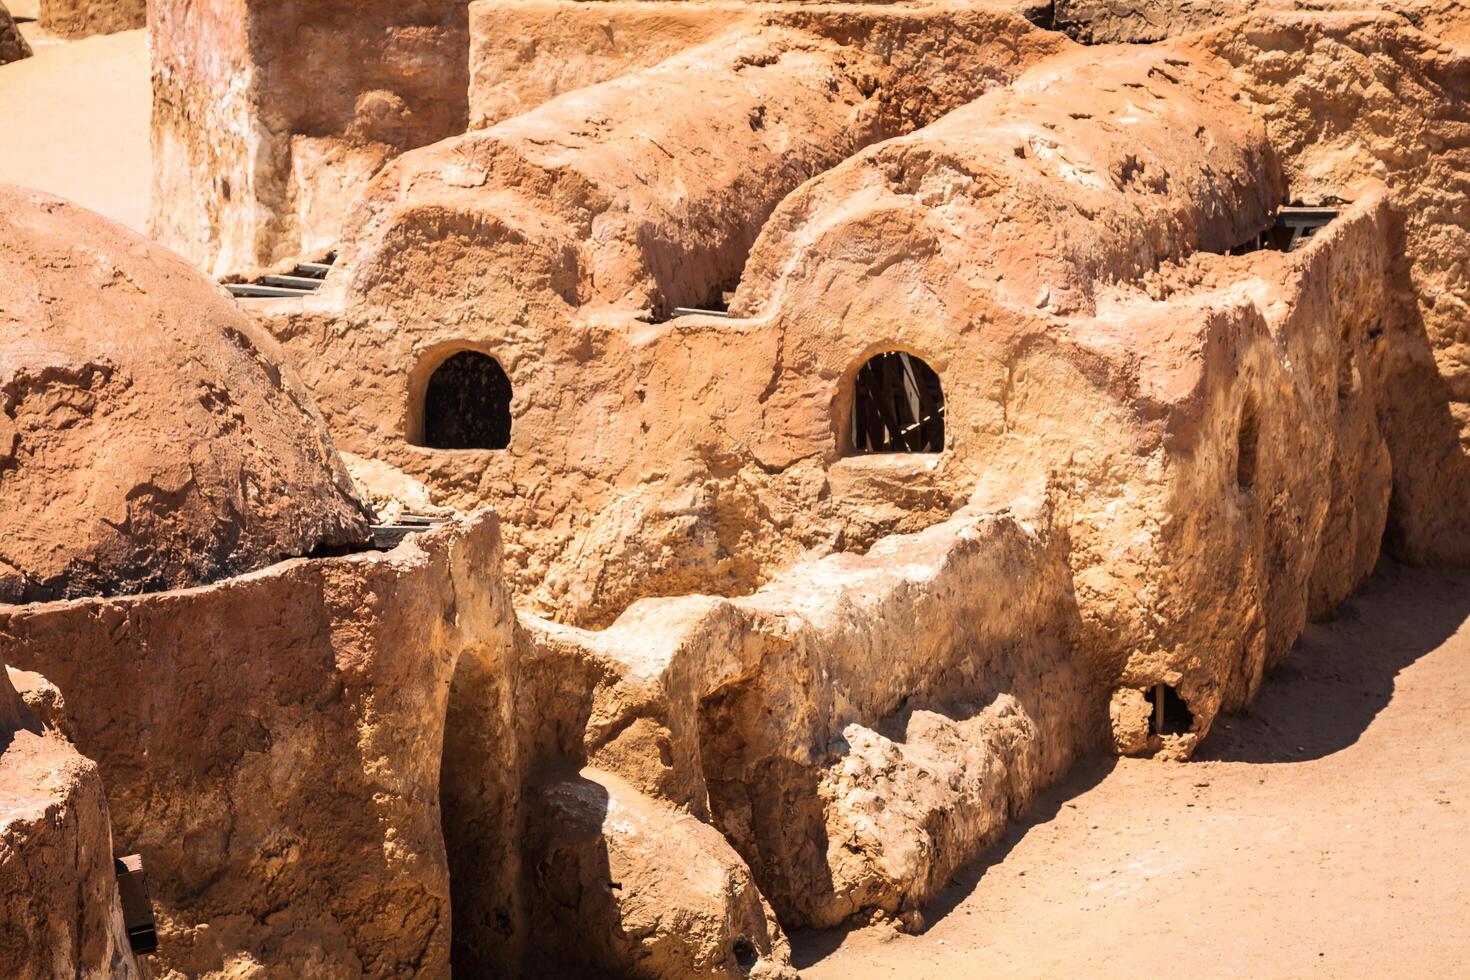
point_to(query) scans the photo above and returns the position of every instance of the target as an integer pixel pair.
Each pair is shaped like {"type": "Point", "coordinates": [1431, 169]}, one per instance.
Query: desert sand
{"type": "Point", "coordinates": [1324, 832]}
{"type": "Point", "coordinates": [76, 120]}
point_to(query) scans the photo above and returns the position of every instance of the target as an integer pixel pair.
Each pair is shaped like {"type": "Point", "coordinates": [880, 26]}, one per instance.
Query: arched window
{"type": "Point", "coordinates": [467, 404]}
{"type": "Point", "coordinates": [897, 406]}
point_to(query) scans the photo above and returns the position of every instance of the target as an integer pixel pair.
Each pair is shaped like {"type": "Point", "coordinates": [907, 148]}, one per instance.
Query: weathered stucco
{"type": "Point", "coordinates": [270, 744]}
{"type": "Point", "coordinates": [81, 18]}
{"type": "Point", "coordinates": [290, 110]}
{"type": "Point", "coordinates": [59, 909]}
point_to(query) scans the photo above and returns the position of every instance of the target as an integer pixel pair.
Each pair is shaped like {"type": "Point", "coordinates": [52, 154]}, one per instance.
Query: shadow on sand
{"type": "Point", "coordinates": [1321, 699]}
{"type": "Point", "coordinates": [1341, 673]}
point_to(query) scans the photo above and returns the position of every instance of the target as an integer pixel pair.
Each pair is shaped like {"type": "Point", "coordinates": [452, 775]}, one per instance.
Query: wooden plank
{"type": "Point", "coordinates": [290, 282]}
{"type": "Point", "coordinates": [692, 311]}
{"type": "Point", "coordinates": [250, 289]}
{"type": "Point", "coordinates": [1306, 217]}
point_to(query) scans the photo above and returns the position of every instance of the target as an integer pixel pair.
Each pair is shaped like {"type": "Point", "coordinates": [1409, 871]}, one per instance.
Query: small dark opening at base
{"type": "Point", "coordinates": [1170, 715]}
{"type": "Point", "coordinates": [746, 955]}
{"type": "Point", "coordinates": [1043, 15]}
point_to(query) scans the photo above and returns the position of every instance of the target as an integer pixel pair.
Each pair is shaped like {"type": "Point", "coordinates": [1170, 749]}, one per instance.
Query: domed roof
{"type": "Point", "coordinates": [149, 436]}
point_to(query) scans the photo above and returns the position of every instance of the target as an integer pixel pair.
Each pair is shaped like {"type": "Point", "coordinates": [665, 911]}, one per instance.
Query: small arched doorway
{"type": "Point", "coordinates": [897, 406]}
{"type": "Point", "coordinates": [466, 404]}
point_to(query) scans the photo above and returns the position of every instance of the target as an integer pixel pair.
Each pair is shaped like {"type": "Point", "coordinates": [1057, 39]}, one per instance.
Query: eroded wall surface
{"type": "Point", "coordinates": [555, 241]}
{"type": "Point", "coordinates": [270, 744]}
{"type": "Point", "coordinates": [1160, 459]}
{"type": "Point", "coordinates": [1395, 117]}
{"type": "Point", "coordinates": [80, 18]}
{"type": "Point", "coordinates": [285, 115]}
{"type": "Point", "coordinates": [149, 436]}
{"type": "Point", "coordinates": [60, 914]}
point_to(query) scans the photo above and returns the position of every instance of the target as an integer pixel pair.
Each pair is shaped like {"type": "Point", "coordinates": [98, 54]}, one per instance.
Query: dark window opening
{"type": "Point", "coordinates": [467, 404]}
{"type": "Point", "coordinates": [1170, 715]}
{"type": "Point", "coordinates": [1247, 447]}
{"type": "Point", "coordinates": [1291, 227]}
{"type": "Point", "coordinates": [897, 406]}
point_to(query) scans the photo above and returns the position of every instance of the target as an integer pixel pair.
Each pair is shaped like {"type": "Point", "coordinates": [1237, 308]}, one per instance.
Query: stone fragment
{"type": "Point", "coordinates": [13, 45]}
{"type": "Point", "coordinates": [1129, 712]}
{"type": "Point", "coordinates": [59, 909]}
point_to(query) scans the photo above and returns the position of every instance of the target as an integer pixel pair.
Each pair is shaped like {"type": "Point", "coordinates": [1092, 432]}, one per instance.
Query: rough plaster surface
{"type": "Point", "coordinates": [270, 745]}
{"type": "Point", "coordinates": [59, 910]}
{"type": "Point", "coordinates": [294, 106]}
{"type": "Point", "coordinates": [552, 239]}
{"type": "Point", "coordinates": [1397, 108]}
{"type": "Point", "coordinates": [80, 18]}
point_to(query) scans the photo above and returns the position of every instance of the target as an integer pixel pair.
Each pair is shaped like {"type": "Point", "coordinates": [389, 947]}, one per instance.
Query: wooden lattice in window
{"type": "Point", "coordinates": [898, 406]}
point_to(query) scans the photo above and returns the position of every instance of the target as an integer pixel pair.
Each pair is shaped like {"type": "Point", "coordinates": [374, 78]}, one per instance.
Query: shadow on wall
{"type": "Point", "coordinates": [1338, 678]}
{"type": "Point", "coordinates": [482, 819]}
{"type": "Point", "coordinates": [1341, 673]}
{"type": "Point", "coordinates": [571, 893]}
{"type": "Point", "coordinates": [1430, 466]}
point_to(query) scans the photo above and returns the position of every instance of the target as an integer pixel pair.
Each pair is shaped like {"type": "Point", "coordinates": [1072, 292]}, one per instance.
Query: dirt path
{"type": "Point", "coordinates": [74, 120]}
{"type": "Point", "coordinates": [1325, 833]}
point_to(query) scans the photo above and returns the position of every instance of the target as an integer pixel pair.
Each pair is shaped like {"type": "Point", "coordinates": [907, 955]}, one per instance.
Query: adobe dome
{"type": "Point", "coordinates": [149, 437]}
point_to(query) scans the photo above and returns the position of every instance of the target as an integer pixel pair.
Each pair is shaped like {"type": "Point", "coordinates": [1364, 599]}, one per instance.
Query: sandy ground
{"type": "Point", "coordinates": [1324, 833]}
{"type": "Point", "coordinates": [74, 120]}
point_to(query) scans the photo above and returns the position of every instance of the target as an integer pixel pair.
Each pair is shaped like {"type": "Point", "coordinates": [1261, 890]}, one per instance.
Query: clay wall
{"type": "Point", "coordinates": [855, 729]}
{"type": "Point", "coordinates": [933, 57]}
{"type": "Point", "coordinates": [60, 914]}
{"type": "Point", "coordinates": [80, 18]}
{"type": "Point", "coordinates": [205, 203]}
{"type": "Point", "coordinates": [704, 392]}
{"type": "Point", "coordinates": [1147, 21]}
{"type": "Point", "coordinates": [526, 52]}
{"type": "Point", "coordinates": [1133, 408]}
{"type": "Point", "coordinates": [271, 744]}
{"type": "Point", "coordinates": [543, 241]}
{"type": "Point", "coordinates": [260, 146]}
{"type": "Point", "coordinates": [862, 725]}
{"type": "Point", "coordinates": [1394, 117]}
